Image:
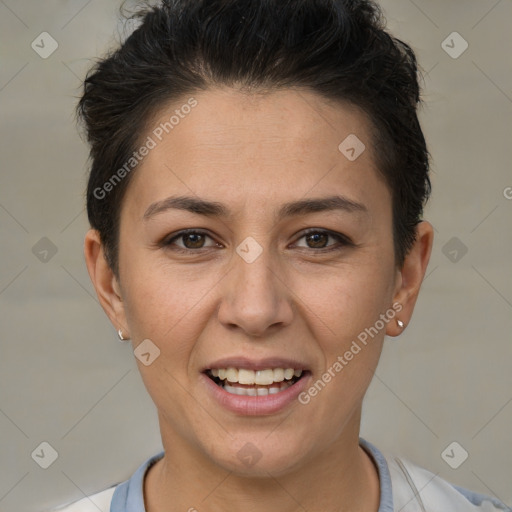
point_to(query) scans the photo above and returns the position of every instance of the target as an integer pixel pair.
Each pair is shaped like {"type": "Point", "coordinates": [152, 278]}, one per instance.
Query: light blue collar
{"type": "Point", "coordinates": [128, 496]}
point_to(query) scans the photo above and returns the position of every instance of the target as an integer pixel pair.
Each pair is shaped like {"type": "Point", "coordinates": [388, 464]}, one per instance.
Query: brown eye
{"type": "Point", "coordinates": [317, 240]}
{"type": "Point", "coordinates": [189, 240]}
{"type": "Point", "coordinates": [193, 240]}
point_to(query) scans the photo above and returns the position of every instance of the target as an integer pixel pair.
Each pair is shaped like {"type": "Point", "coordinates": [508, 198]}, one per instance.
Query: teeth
{"type": "Point", "coordinates": [256, 391]}
{"type": "Point", "coordinates": [264, 377]}
{"type": "Point", "coordinates": [245, 376]}
{"type": "Point", "coordinates": [260, 377]}
{"type": "Point", "coordinates": [232, 374]}
{"type": "Point", "coordinates": [278, 375]}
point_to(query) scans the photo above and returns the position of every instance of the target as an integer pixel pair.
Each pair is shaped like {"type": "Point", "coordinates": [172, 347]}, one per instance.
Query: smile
{"type": "Point", "coordinates": [246, 382]}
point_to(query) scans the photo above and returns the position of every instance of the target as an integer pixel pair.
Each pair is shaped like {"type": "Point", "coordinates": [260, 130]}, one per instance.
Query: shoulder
{"type": "Point", "coordinates": [407, 487]}
{"type": "Point", "coordinates": [416, 489]}
{"type": "Point", "coordinates": [119, 496]}
{"type": "Point", "coordinates": [99, 502]}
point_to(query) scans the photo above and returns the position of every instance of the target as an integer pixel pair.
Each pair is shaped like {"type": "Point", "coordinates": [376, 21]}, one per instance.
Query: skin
{"type": "Point", "coordinates": [253, 153]}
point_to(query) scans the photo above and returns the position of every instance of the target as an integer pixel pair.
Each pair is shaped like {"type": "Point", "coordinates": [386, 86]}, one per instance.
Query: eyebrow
{"type": "Point", "coordinates": [216, 209]}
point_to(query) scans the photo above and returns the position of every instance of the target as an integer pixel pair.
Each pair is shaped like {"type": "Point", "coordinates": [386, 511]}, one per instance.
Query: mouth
{"type": "Point", "coordinates": [254, 383]}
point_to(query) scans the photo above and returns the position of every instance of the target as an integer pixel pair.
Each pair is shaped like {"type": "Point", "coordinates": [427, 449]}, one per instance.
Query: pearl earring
{"type": "Point", "coordinates": [400, 324]}
{"type": "Point", "coordinates": [120, 334]}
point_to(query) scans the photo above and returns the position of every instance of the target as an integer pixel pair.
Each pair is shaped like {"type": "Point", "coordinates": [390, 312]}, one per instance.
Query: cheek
{"type": "Point", "coordinates": [345, 300]}
{"type": "Point", "coordinates": [160, 298]}
{"type": "Point", "coordinates": [343, 308]}
{"type": "Point", "coordinates": [169, 308]}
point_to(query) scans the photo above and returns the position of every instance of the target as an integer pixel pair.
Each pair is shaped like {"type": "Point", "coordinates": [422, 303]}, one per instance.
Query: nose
{"type": "Point", "coordinates": [255, 297]}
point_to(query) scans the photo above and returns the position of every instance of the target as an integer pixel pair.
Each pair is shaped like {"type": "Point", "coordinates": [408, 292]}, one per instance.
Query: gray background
{"type": "Point", "coordinates": [64, 378]}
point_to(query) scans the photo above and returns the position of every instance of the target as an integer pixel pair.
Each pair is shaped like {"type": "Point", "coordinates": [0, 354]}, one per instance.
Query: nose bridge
{"type": "Point", "coordinates": [254, 297]}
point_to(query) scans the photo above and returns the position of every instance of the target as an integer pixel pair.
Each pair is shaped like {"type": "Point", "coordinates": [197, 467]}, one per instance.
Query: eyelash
{"type": "Point", "coordinates": [343, 240]}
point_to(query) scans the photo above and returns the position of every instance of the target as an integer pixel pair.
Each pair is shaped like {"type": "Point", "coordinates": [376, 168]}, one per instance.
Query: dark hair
{"type": "Point", "coordinates": [338, 49]}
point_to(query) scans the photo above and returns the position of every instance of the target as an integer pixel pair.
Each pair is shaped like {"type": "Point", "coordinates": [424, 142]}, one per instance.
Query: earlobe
{"type": "Point", "coordinates": [104, 281]}
{"type": "Point", "coordinates": [411, 276]}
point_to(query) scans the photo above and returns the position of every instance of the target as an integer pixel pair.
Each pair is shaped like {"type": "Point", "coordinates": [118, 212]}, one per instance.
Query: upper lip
{"type": "Point", "coordinates": [256, 364]}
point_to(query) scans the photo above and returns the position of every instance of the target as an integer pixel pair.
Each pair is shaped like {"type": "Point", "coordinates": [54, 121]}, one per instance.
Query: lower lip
{"type": "Point", "coordinates": [255, 405]}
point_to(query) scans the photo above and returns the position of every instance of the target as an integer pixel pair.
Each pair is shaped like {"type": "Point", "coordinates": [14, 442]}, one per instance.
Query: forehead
{"type": "Point", "coordinates": [256, 147]}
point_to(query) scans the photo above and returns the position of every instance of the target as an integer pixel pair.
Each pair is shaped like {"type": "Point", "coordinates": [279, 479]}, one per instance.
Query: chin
{"type": "Point", "coordinates": [255, 456]}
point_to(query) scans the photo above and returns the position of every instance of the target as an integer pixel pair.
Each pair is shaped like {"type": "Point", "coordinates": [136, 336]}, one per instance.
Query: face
{"type": "Point", "coordinates": [278, 264]}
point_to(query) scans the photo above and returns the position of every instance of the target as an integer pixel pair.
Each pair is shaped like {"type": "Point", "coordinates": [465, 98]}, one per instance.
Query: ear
{"type": "Point", "coordinates": [410, 277]}
{"type": "Point", "coordinates": [104, 281]}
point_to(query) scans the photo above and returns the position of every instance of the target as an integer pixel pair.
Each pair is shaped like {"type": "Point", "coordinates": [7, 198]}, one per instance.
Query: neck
{"type": "Point", "coordinates": [342, 478]}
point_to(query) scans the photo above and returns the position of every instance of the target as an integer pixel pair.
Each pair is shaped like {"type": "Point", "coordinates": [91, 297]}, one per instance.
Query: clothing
{"type": "Point", "coordinates": [404, 487]}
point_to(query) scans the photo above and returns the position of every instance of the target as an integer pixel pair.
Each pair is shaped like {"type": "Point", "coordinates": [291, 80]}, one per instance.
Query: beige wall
{"type": "Point", "coordinates": [64, 378]}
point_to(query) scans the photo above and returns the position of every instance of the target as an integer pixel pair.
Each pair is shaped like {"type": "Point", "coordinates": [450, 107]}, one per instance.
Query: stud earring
{"type": "Point", "coordinates": [120, 334]}
{"type": "Point", "coordinates": [400, 324]}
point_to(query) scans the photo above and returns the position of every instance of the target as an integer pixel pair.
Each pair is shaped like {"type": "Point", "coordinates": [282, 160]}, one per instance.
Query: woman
{"type": "Point", "coordinates": [255, 198]}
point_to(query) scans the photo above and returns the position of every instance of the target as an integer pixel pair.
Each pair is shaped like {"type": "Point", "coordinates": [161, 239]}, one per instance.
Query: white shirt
{"type": "Point", "coordinates": [404, 487]}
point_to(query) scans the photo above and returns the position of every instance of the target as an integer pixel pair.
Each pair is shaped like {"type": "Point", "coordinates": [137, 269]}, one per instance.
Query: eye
{"type": "Point", "coordinates": [318, 239]}
{"type": "Point", "coordinates": [190, 239]}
